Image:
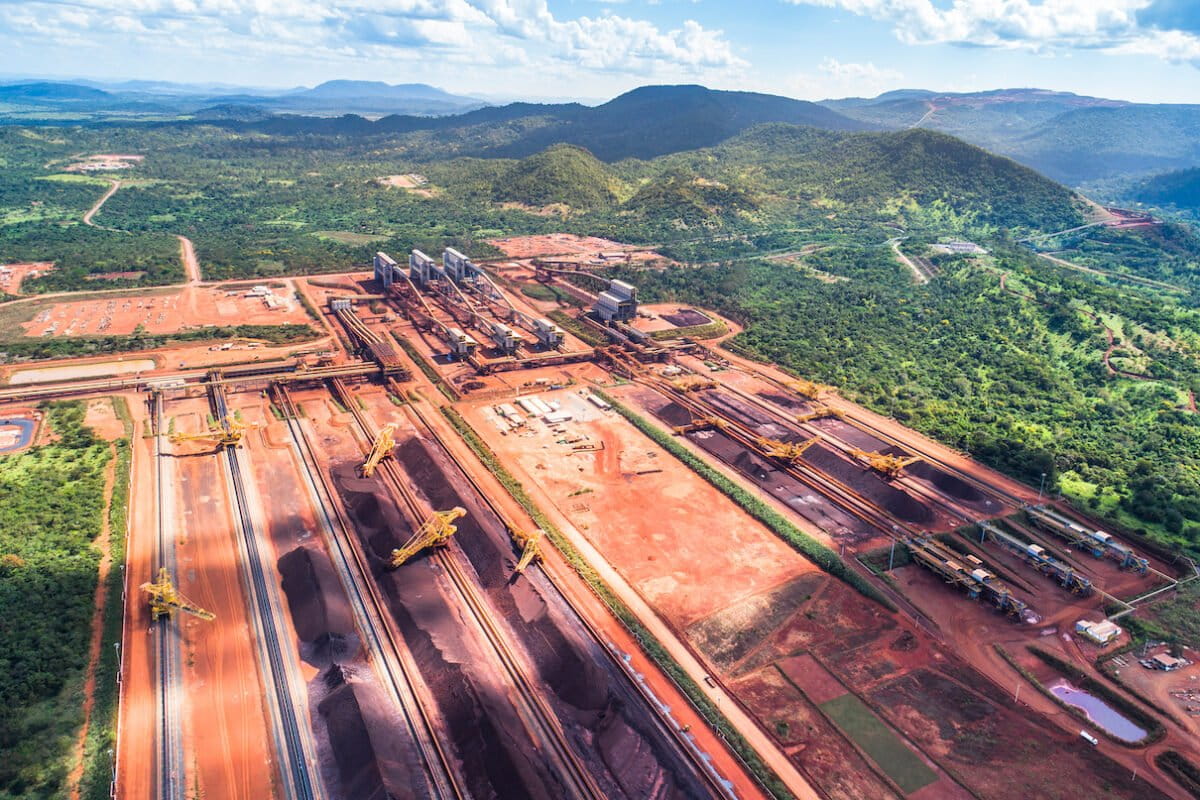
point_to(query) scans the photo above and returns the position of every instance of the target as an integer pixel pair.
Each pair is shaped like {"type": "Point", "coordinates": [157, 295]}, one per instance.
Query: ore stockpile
{"type": "Point", "coordinates": [599, 712]}
{"type": "Point", "coordinates": [361, 738]}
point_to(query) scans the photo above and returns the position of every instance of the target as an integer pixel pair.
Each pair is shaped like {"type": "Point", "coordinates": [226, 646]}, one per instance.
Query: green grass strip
{"type": "Point", "coordinates": [879, 742]}
{"type": "Point", "coordinates": [800, 541]}
{"type": "Point", "coordinates": [645, 639]}
{"type": "Point", "coordinates": [709, 330]}
{"type": "Point", "coordinates": [577, 328]}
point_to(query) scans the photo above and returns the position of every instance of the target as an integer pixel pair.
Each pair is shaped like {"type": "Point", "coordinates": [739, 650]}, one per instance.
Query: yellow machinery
{"type": "Point", "coordinates": [887, 464]}
{"type": "Point", "coordinates": [225, 432]}
{"type": "Point", "coordinates": [820, 412]}
{"type": "Point", "coordinates": [530, 544]}
{"type": "Point", "coordinates": [165, 599]}
{"type": "Point", "coordinates": [693, 383]}
{"type": "Point", "coordinates": [700, 424]}
{"type": "Point", "coordinates": [435, 532]}
{"type": "Point", "coordinates": [384, 443]}
{"type": "Point", "coordinates": [805, 388]}
{"type": "Point", "coordinates": [786, 451]}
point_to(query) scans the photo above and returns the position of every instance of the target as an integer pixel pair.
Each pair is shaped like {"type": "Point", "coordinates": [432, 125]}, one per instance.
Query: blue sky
{"type": "Point", "coordinates": [1146, 50]}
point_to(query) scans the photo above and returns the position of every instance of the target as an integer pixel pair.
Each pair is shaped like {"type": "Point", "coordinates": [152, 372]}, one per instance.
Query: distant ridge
{"type": "Point", "coordinates": [643, 123]}
{"type": "Point", "coordinates": [1070, 137]}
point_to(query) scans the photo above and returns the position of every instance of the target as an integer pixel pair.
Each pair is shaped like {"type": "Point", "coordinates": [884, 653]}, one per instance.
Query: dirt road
{"type": "Point", "coordinates": [87, 218]}
{"type": "Point", "coordinates": [191, 264]}
{"type": "Point", "coordinates": [918, 275]}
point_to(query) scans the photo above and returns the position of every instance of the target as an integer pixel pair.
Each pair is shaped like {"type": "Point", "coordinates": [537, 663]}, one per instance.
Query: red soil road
{"type": "Point", "coordinates": [191, 264]}
{"type": "Point", "coordinates": [226, 733]}
{"type": "Point", "coordinates": [136, 752]}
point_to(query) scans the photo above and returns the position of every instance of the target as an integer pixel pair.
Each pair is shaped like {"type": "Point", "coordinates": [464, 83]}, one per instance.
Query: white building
{"type": "Point", "coordinates": [1099, 632]}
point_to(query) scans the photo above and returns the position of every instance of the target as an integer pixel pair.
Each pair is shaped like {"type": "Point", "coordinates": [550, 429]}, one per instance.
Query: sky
{"type": "Point", "coordinates": [1142, 50]}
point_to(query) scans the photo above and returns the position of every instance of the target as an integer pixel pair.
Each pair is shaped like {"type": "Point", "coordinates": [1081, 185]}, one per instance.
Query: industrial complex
{"type": "Point", "coordinates": [506, 531]}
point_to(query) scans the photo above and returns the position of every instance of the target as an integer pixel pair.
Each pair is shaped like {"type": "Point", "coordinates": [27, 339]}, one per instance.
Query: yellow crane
{"type": "Point", "coordinates": [700, 424]}
{"type": "Point", "coordinates": [225, 432]}
{"type": "Point", "coordinates": [530, 544]}
{"type": "Point", "coordinates": [693, 383]}
{"type": "Point", "coordinates": [887, 464]}
{"type": "Point", "coordinates": [165, 599]}
{"type": "Point", "coordinates": [435, 531]}
{"type": "Point", "coordinates": [820, 412]}
{"type": "Point", "coordinates": [805, 388]}
{"type": "Point", "coordinates": [384, 443]}
{"type": "Point", "coordinates": [786, 451]}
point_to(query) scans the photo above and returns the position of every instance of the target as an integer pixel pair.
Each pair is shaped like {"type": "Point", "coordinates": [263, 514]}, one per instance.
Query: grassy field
{"type": "Point", "coordinates": [349, 237]}
{"type": "Point", "coordinates": [878, 741]}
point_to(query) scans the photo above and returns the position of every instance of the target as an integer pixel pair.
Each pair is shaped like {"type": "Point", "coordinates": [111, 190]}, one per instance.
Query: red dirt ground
{"type": "Point", "coordinates": [560, 244]}
{"type": "Point", "coordinates": [12, 275]}
{"type": "Point", "coordinates": [162, 312]}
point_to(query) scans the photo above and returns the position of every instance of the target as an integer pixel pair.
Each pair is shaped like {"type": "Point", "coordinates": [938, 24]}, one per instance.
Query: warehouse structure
{"type": "Point", "coordinates": [617, 303]}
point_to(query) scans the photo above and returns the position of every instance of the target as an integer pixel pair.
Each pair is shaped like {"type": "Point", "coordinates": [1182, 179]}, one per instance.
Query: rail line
{"type": "Point", "coordinates": [172, 783]}
{"type": "Point", "coordinates": [714, 782]}
{"type": "Point", "coordinates": [296, 767]}
{"type": "Point", "coordinates": [576, 779]}
{"type": "Point", "coordinates": [371, 610]}
{"type": "Point", "coordinates": [866, 426]}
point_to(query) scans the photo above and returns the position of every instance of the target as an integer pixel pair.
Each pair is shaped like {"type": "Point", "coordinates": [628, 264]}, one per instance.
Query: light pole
{"type": "Point", "coordinates": [1041, 487]}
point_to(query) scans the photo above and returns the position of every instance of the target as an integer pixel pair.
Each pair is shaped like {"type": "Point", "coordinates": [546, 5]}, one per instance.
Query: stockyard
{"type": "Point", "coordinates": [491, 544]}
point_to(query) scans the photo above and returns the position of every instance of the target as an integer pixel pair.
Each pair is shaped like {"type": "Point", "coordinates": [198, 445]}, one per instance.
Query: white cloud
{"type": "Point", "coordinates": [834, 78]}
{"type": "Point", "coordinates": [481, 32]}
{"type": "Point", "coordinates": [1107, 25]}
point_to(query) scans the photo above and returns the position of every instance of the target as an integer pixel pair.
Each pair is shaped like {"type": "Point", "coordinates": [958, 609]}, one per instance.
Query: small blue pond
{"type": "Point", "coordinates": [1098, 712]}
{"type": "Point", "coordinates": [24, 425]}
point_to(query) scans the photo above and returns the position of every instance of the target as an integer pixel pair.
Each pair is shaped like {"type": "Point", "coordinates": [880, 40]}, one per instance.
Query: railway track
{"type": "Point", "coordinates": [866, 426]}
{"type": "Point", "coordinates": [577, 781]}
{"type": "Point", "coordinates": [385, 647]}
{"type": "Point", "coordinates": [172, 783]}
{"type": "Point", "coordinates": [297, 757]}
{"type": "Point", "coordinates": [718, 786]}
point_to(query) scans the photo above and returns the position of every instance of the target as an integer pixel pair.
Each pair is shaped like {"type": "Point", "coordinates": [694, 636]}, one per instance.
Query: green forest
{"type": "Point", "coordinates": [259, 205]}
{"type": "Point", "coordinates": [51, 509]}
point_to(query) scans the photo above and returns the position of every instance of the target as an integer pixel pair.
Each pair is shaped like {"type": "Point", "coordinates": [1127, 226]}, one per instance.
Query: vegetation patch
{"type": "Point", "coordinates": [709, 330]}
{"type": "Point", "coordinates": [1185, 773]}
{"type": "Point", "coordinates": [879, 742]}
{"type": "Point", "coordinates": [577, 328]}
{"type": "Point", "coordinates": [102, 729]}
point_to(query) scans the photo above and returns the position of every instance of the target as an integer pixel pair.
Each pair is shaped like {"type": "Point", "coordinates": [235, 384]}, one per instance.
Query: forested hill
{"type": "Point", "coordinates": [778, 173]}
{"type": "Point", "coordinates": [1179, 190]}
{"type": "Point", "coordinates": [645, 123]}
{"type": "Point", "coordinates": [1071, 138]}
{"type": "Point", "coordinates": [917, 175]}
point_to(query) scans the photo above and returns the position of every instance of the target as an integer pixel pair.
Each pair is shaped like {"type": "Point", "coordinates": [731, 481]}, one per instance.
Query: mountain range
{"type": "Point", "coordinates": [33, 100]}
{"type": "Point", "coordinates": [1075, 139]}
{"type": "Point", "coordinates": [1072, 138]}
